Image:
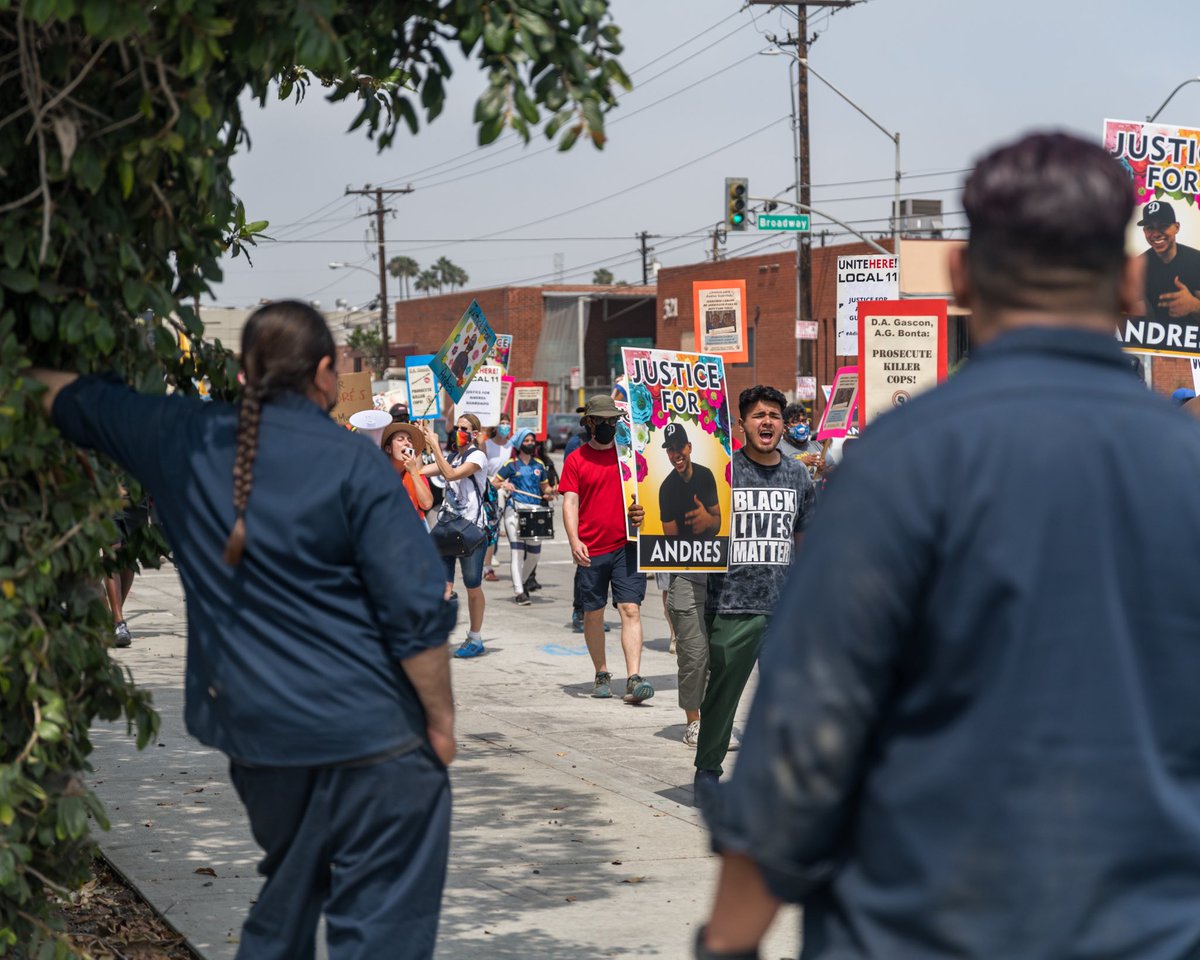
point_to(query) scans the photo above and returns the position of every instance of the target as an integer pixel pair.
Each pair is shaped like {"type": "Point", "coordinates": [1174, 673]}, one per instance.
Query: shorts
{"type": "Point", "coordinates": [617, 570]}
{"type": "Point", "coordinates": [472, 567]}
{"type": "Point", "coordinates": [662, 581]}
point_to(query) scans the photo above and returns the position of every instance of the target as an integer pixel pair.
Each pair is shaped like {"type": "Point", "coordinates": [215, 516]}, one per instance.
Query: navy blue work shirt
{"type": "Point", "coordinates": [293, 656]}
{"type": "Point", "coordinates": [977, 730]}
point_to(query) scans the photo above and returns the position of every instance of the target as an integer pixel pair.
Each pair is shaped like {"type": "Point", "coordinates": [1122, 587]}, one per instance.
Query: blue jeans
{"type": "Point", "coordinates": [472, 567]}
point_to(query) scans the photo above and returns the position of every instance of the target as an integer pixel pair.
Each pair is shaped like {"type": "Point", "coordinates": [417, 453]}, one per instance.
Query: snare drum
{"type": "Point", "coordinates": [534, 522]}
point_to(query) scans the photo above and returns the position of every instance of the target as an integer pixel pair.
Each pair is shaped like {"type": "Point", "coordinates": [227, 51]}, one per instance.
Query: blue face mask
{"type": "Point", "coordinates": [503, 431]}
{"type": "Point", "coordinates": [799, 433]}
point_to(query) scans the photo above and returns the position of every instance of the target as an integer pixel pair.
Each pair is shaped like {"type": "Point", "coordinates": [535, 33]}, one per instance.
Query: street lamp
{"type": "Point", "coordinates": [383, 318]}
{"type": "Point", "coordinates": [1154, 116]}
{"type": "Point", "coordinates": [894, 137]}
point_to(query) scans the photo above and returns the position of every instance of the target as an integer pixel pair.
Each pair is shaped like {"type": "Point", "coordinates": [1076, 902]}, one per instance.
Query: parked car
{"type": "Point", "coordinates": [560, 427]}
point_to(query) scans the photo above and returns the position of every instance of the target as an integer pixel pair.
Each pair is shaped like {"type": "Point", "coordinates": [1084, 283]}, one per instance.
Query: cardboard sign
{"type": "Point", "coordinates": [859, 278]}
{"type": "Point", "coordinates": [839, 404]}
{"type": "Point", "coordinates": [460, 357]}
{"type": "Point", "coordinates": [424, 394]}
{"type": "Point", "coordinates": [482, 396]}
{"type": "Point", "coordinates": [529, 399]}
{"type": "Point", "coordinates": [902, 352]}
{"type": "Point", "coordinates": [502, 350]}
{"type": "Point", "coordinates": [719, 316]}
{"type": "Point", "coordinates": [354, 394]}
{"type": "Point", "coordinates": [679, 432]}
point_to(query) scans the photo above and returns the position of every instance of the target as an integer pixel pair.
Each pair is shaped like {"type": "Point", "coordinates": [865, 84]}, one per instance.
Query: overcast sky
{"type": "Point", "coordinates": [952, 76]}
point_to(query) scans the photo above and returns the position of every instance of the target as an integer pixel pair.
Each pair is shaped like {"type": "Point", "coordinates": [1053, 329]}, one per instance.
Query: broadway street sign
{"type": "Point", "coordinates": [798, 222]}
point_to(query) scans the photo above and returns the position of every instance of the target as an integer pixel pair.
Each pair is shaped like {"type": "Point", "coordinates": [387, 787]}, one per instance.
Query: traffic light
{"type": "Point", "coordinates": [737, 192]}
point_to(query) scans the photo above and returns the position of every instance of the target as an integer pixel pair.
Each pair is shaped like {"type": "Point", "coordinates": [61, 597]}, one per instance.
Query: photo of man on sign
{"type": "Point", "coordinates": [687, 499]}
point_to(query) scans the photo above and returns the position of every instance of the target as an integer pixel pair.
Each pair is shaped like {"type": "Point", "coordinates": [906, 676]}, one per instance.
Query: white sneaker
{"type": "Point", "coordinates": [691, 736]}
{"type": "Point", "coordinates": [735, 741]}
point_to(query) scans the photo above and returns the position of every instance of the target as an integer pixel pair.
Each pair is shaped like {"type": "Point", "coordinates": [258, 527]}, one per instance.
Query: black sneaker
{"type": "Point", "coordinates": [601, 688]}
{"type": "Point", "coordinates": [637, 689]}
{"type": "Point", "coordinates": [522, 599]}
{"type": "Point", "coordinates": [121, 635]}
{"type": "Point", "coordinates": [531, 584]}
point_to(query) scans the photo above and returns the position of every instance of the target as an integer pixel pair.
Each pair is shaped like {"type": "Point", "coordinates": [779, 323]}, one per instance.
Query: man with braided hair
{"type": "Point", "coordinates": [328, 688]}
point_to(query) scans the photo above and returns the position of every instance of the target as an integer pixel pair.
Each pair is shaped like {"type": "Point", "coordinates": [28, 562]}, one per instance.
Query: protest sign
{"type": "Point", "coordinates": [506, 386]}
{"type": "Point", "coordinates": [482, 396]}
{"type": "Point", "coordinates": [839, 404]}
{"type": "Point", "coordinates": [529, 407]}
{"type": "Point", "coordinates": [424, 394]}
{"type": "Point", "coordinates": [678, 430]}
{"type": "Point", "coordinates": [1163, 162]}
{"type": "Point", "coordinates": [626, 459]}
{"type": "Point", "coordinates": [502, 350]}
{"type": "Point", "coordinates": [863, 277]}
{"type": "Point", "coordinates": [463, 353]}
{"type": "Point", "coordinates": [719, 316]}
{"type": "Point", "coordinates": [354, 394]}
{"type": "Point", "coordinates": [901, 350]}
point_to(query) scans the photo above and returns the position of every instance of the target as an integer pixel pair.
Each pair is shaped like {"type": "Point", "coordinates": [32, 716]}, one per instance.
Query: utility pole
{"type": "Point", "coordinates": [805, 359]}
{"type": "Point", "coordinates": [646, 251]}
{"type": "Point", "coordinates": [379, 193]}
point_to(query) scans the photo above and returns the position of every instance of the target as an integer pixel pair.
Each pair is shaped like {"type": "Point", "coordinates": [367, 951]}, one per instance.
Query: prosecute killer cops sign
{"type": "Point", "coordinates": [678, 435]}
{"type": "Point", "coordinates": [902, 352]}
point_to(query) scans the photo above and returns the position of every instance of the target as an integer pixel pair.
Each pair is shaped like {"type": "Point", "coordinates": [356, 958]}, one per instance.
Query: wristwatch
{"type": "Point", "coordinates": [701, 952]}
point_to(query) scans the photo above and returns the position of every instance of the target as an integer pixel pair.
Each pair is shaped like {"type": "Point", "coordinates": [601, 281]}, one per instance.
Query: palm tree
{"type": "Point", "coordinates": [403, 268]}
{"type": "Point", "coordinates": [458, 277]}
{"type": "Point", "coordinates": [444, 269]}
{"type": "Point", "coordinates": [427, 281]}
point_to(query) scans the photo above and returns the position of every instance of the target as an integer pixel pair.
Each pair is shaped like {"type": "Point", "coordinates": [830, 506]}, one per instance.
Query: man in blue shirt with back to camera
{"type": "Point", "coordinates": [976, 732]}
{"type": "Point", "coordinates": [325, 681]}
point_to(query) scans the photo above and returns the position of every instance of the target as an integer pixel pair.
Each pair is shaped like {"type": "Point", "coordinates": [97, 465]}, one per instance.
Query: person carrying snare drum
{"type": "Point", "coordinates": [524, 477]}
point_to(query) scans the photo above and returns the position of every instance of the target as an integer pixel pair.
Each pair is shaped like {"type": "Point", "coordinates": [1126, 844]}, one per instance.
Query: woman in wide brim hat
{"type": "Point", "coordinates": [401, 442]}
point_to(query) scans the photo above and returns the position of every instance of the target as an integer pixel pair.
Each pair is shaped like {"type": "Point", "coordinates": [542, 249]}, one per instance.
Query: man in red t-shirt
{"type": "Point", "coordinates": [594, 515]}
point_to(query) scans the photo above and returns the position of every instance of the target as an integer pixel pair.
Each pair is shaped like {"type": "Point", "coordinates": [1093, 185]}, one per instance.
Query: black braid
{"type": "Point", "coordinates": [249, 415]}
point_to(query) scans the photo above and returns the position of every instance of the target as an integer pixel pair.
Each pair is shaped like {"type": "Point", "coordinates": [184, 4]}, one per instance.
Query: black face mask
{"type": "Point", "coordinates": [528, 451]}
{"type": "Point", "coordinates": [604, 432]}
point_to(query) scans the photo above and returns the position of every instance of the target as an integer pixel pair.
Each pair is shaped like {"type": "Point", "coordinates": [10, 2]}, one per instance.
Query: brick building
{"type": "Point", "coordinates": [544, 323]}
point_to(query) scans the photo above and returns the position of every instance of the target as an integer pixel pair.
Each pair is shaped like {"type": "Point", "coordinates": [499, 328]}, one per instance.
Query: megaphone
{"type": "Point", "coordinates": [371, 424]}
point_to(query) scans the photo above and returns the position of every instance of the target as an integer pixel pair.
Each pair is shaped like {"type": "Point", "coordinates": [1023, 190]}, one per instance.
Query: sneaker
{"type": "Point", "coordinates": [671, 646]}
{"type": "Point", "coordinates": [490, 576]}
{"type": "Point", "coordinates": [704, 788]}
{"type": "Point", "coordinates": [469, 648]}
{"type": "Point", "coordinates": [601, 688]}
{"type": "Point", "coordinates": [577, 622]}
{"type": "Point", "coordinates": [637, 689]}
{"type": "Point", "coordinates": [735, 742]}
{"type": "Point", "coordinates": [522, 599]}
{"type": "Point", "coordinates": [691, 736]}
{"type": "Point", "coordinates": [531, 584]}
{"type": "Point", "coordinates": [121, 635]}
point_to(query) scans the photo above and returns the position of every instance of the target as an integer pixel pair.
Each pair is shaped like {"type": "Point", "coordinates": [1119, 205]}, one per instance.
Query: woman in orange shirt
{"type": "Point", "coordinates": [400, 442]}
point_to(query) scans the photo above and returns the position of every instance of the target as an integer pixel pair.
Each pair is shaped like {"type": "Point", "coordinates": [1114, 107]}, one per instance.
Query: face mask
{"type": "Point", "coordinates": [604, 432]}
{"type": "Point", "coordinates": [528, 449]}
{"type": "Point", "coordinates": [799, 433]}
{"type": "Point", "coordinates": [503, 431]}
{"type": "Point", "coordinates": [462, 438]}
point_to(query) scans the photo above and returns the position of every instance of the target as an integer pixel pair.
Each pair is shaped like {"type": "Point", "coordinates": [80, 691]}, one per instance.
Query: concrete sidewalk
{"type": "Point", "coordinates": [574, 835]}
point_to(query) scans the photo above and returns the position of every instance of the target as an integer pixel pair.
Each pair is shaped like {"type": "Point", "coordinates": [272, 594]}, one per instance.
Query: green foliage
{"type": "Point", "coordinates": [368, 341]}
{"type": "Point", "coordinates": [602, 276]}
{"type": "Point", "coordinates": [117, 124]}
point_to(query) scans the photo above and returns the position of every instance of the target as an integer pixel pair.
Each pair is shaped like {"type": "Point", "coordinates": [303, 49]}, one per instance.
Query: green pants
{"type": "Point", "coordinates": [734, 640]}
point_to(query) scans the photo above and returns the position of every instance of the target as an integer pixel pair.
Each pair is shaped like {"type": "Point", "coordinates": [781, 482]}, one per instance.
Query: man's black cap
{"type": "Point", "coordinates": [1157, 213]}
{"type": "Point", "coordinates": [674, 436]}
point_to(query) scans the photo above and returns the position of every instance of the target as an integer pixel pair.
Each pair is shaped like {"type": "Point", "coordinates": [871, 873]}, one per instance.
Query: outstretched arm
{"type": "Point", "coordinates": [54, 381]}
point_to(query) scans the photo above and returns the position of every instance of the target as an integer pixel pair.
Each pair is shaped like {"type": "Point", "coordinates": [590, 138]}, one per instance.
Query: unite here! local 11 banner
{"type": "Point", "coordinates": [901, 352]}
{"type": "Point", "coordinates": [1164, 164]}
{"type": "Point", "coordinates": [859, 278]}
{"type": "Point", "coordinates": [678, 431]}
{"type": "Point", "coordinates": [464, 352]}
